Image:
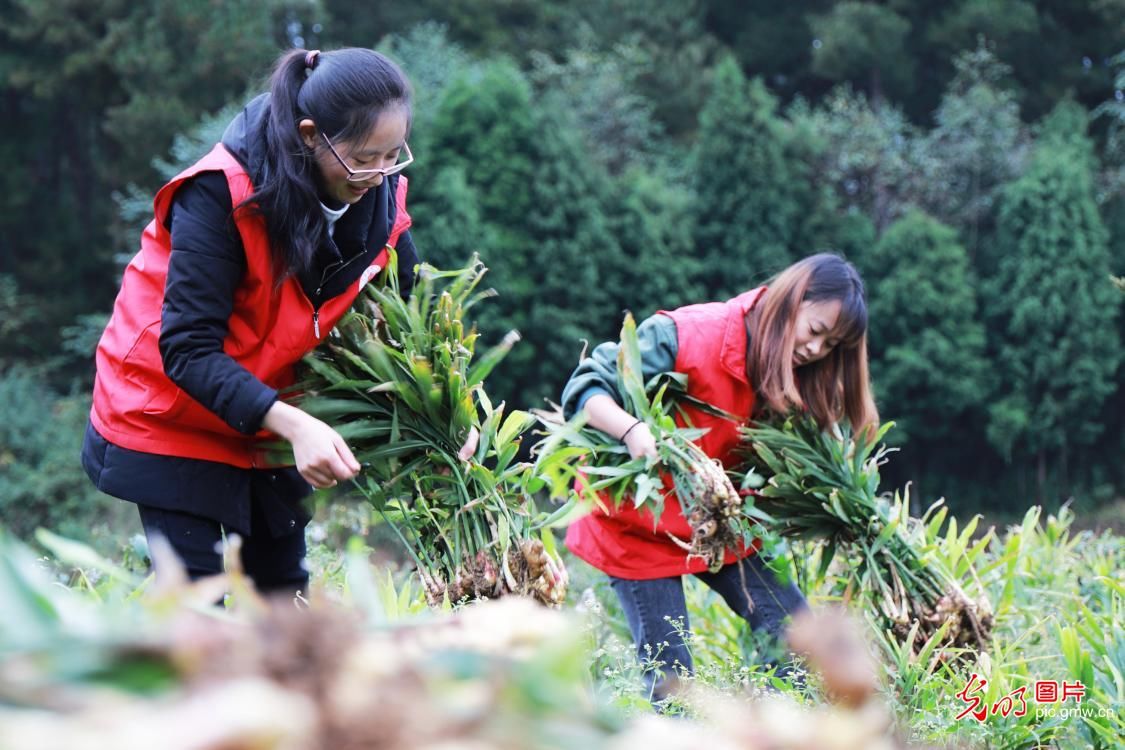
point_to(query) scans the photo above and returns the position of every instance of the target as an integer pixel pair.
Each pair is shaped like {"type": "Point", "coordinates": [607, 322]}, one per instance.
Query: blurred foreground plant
{"type": "Point", "coordinates": [164, 669]}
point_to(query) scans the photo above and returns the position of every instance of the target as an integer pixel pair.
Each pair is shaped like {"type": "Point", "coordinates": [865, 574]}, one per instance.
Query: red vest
{"type": "Point", "coordinates": [712, 353]}
{"type": "Point", "coordinates": [270, 329]}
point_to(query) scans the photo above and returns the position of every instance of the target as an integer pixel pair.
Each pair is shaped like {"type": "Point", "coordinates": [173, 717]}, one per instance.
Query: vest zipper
{"type": "Point", "coordinates": [324, 279]}
{"type": "Point", "coordinates": [339, 266]}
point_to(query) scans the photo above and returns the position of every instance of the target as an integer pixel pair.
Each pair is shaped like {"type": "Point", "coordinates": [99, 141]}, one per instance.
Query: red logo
{"type": "Point", "coordinates": [1046, 691]}
{"type": "Point", "coordinates": [977, 707]}
{"type": "Point", "coordinates": [1073, 690]}
{"type": "Point", "coordinates": [1005, 705]}
{"type": "Point", "coordinates": [1014, 703]}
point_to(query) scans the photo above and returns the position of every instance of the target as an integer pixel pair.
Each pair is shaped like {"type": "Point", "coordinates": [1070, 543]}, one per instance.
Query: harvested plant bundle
{"type": "Point", "coordinates": [398, 381]}
{"type": "Point", "coordinates": [816, 484]}
{"type": "Point", "coordinates": [119, 671]}
{"type": "Point", "coordinates": [710, 503]}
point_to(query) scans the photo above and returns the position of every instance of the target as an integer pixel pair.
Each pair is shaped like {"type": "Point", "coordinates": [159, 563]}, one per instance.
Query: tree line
{"type": "Point", "coordinates": [604, 155]}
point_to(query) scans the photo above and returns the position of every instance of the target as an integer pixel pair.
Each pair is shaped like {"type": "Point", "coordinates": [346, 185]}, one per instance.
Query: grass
{"type": "Point", "coordinates": [1060, 598]}
{"type": "Point", "coordinates": [1059, 594]}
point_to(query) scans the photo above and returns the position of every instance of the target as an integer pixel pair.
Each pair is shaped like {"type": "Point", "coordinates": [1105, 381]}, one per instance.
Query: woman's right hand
{"type": "Point", "coordinates": [321, 455]}
{"type": "Point", "coordinates": [640, 441]}
{"type": "Point", "coordinates": [606, 415]}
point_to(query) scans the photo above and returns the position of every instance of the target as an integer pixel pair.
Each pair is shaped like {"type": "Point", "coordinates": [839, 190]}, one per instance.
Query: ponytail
{"type": "Point", "coordinates": [344, 92]}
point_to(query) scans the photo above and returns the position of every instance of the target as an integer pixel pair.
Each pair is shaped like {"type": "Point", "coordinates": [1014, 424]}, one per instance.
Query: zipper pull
{"type": "Point", "coordinates": [316, 324]}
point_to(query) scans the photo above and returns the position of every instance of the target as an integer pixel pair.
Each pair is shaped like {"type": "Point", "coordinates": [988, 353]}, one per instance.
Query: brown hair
{"type": "Point", "coordinates": [833, 387]}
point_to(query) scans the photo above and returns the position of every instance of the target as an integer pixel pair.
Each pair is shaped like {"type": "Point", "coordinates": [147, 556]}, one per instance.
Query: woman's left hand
{"type": "Point", "coordinates": [470, 446]}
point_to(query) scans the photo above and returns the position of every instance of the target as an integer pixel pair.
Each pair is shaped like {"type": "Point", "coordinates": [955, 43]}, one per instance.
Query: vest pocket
{"type": "Point", "coordinates": [143, 369]}
{"type": "Point", "coordinates": [166, 402]}
{"type": "Point", "coordinates": [142, 360]}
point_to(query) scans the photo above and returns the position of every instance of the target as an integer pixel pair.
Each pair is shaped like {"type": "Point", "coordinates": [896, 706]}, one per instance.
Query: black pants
{"type": "Point", "coordinates": [276, 564]}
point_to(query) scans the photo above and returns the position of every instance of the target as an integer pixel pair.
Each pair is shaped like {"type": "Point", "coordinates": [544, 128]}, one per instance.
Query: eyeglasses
{"type": "Point", "coordinates": [360, 175]}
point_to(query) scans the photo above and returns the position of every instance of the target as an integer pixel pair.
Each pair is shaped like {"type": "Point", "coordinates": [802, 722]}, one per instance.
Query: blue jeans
{"type": "Point", "coordinates": [649, 604]}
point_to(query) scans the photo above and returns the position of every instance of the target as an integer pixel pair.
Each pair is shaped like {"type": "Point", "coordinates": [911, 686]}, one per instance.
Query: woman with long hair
{"type": "Point", "coordinates": [799, 342]}
{"type": "Point", "coordinates": [253, 254]}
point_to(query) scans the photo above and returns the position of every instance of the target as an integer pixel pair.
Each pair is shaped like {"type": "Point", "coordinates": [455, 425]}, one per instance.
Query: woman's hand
{"type": "Point", "coordinates": [606, 415]}
{"type": "Point", "coordinates": [321, 455]}
{"type": "Point", "coordinates": [470, 446]}
{"type": "Point", "coordinates": [640, 442]}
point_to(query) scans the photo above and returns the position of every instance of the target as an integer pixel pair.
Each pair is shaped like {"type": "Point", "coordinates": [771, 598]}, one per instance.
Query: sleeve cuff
{"type": "Point", "coordinates": [248, 418]}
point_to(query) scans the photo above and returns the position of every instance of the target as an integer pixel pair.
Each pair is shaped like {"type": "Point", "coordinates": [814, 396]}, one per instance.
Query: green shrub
{"type": "Point", "coordinates": [42, 483]}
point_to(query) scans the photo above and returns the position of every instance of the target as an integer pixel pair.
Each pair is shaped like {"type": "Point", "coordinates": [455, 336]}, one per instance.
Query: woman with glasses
{"type": "Point", "coordinates": [254, 253]}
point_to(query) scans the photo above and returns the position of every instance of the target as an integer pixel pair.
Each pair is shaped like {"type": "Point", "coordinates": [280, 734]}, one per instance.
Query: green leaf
{"type": "Point", "coordinates": [629, 369]}
{"type": "Point", "coordinates": [517, 423]}
{"type": "Point", "coordinates": [492, 357]}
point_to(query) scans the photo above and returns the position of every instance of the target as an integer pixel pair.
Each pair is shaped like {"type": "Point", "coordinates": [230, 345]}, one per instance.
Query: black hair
{"type": "Point", "coordinates": [344, 92]}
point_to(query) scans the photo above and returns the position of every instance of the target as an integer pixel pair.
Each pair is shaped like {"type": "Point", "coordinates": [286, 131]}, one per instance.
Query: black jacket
{"type": "Point", "coordinates": [205, 268]}
{"type": "Point", "coordinates": [208, 262]}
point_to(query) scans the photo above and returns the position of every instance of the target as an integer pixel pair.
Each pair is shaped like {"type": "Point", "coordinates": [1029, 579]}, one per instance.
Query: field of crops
{"type": "Point", "coordinates": [93, 654]}
{"type": "Point", "coordinates": [443, 611]}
